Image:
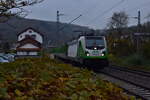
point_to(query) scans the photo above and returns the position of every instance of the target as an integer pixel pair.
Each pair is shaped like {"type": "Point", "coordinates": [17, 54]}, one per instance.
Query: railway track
{"type": "Point", "coordinates": [139, 72]}
{"type": "Point", "coordinates": [134, 82]}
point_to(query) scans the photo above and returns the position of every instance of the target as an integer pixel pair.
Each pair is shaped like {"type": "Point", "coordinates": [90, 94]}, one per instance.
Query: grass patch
{"type": "Point", "coordinates": [45, 79]}
{"type": "Point", "coordinates": [134, 61]}
{"type": "Point", "coordinates": [62, 49]}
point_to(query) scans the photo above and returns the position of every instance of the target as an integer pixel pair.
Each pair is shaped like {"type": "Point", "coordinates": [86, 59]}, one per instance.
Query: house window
{"type": "Point", "coordinates": [26, 36]}
{"type": "Point", "coordinates": [28, 52]}
{"type": "Point", "coordinates": [30, 31]}
{"type": "Point", "coordinates": [33, 36]}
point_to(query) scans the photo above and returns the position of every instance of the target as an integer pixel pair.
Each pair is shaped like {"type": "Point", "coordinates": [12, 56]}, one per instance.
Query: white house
{"type": "Point", "coordinates": [29, 42]}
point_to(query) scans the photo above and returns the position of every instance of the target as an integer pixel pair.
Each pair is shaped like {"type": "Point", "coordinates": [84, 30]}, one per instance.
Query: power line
{"type": "Point", "coordinates": [105, 12]}
{"type": "Point", "coordinates": [114, 6]}
{"type": "Point", "coordinates": [70, 22]}
{"type": "Point", "coordinates": [86, 11]}
{"type": "Point", "coordinates": [139, 6]}
{"type": "Point", "coordinates": [108, 10]}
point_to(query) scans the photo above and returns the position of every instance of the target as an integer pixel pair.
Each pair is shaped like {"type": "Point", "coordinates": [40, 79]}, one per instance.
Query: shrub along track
{"type": "Point", "coordinates": [46, 79]}
{"type": "Point", "coordinates": [133, 81]}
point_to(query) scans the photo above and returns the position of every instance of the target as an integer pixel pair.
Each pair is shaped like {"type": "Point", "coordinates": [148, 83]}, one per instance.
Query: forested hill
{"type": "Point", "coordinates": [10, 29]}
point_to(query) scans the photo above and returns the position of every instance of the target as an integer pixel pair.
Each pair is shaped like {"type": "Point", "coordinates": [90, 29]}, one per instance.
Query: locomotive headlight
{"type": "Point", "coordinates": [103, 54]}
{"type": "Point", "coordinates": [95, 48]}
{"type": "Point", "coordinates": [88, 54]}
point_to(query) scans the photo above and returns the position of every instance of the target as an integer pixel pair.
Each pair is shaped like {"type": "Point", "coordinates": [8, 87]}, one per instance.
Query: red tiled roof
{"type": "Point", "coordinates": [31, 29]}
{"type": "Point", "coordinates": [29, 40]}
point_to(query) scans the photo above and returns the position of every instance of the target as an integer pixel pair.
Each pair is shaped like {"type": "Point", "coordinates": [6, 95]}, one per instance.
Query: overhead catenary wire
{"type": "Point", "coordinates": [87, 11]}
{"type": "Point", "coordinates": [139, 6]}
{"type": "Point", "coordinates": [82, 14]}
{"type": "Point", "coordinates": [70, 22]}
{"type": "Point", "coordinates": [105, 12]}
{"type": "Point", "coordinates": [110, 9]}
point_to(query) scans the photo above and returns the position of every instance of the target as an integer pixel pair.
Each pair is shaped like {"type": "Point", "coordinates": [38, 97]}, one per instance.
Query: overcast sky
{"type": "Point", "coordinates": [93, 11]}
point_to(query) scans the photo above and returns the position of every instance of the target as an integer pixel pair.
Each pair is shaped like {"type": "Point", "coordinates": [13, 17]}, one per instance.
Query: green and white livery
{"type": "Point", "coordinates": [89, 49]}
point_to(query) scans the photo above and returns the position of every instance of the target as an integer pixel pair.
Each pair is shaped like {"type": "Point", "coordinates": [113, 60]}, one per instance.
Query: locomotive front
{"type": "Point", "coordinates": [95, 50]}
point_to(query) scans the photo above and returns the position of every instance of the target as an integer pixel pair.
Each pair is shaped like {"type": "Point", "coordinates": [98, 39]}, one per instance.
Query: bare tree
{"type": "Point", "coordinates": [10, 8]}
{"type": "Point", "coordinates": [148, 17]}
{"type": "Point", "coordinates": [117, 23]}
{"type": "Point", "coordinates": [118, 20]}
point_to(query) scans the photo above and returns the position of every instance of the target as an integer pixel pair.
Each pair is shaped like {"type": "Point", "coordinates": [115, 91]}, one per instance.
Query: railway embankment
{"type": "Point", "coordinates": [133, 62]}
{"type": "Point", "coordinates": [45, 79]}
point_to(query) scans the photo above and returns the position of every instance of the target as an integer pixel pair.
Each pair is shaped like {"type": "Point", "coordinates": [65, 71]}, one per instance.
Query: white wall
{"type": "Point", "coordinates": [33, 53]}
{"type": "Point", "coordinates": [30, 46]}
{"type": "Point", "coordinates": [19, 53]}
{"type": "Point", "coordinates": [39, 38]}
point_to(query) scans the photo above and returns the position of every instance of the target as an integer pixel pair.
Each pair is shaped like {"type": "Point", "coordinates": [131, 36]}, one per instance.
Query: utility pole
{"type": "Point", "coordinates": [58, 21]}
{"type": "Point", "coordinates": [139, 21]}
{"type": "Point", "coordinates": [139, 30]}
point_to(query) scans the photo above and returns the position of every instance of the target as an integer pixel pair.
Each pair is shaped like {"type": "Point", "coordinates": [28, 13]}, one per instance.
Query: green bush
{"type": "Point", "coordinates": [114, 59]}
{"type": "Point", "coordinates": [122, 48]}
{"type": "Point", "coordinates": [146, 50]}
{"type": "Point", "coordinates": [135, 60]}
{"type": "Point", "coordinates": [62, 49]}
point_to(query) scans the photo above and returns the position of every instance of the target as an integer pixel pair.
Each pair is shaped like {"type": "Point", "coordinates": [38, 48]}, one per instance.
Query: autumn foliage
{"type": "Point", "coordinates": [45, 79]}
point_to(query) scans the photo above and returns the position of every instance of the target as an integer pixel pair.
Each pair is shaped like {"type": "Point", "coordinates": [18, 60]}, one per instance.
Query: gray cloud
{"type": "Point", "coordinates": [90, 9]}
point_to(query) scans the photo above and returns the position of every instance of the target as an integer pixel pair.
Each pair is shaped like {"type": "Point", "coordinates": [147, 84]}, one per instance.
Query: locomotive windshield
{"type": "Point", "coordinates": [92, 42]}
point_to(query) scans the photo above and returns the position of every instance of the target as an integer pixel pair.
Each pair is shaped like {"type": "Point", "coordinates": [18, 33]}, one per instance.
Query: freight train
{"type": "Point", "coordinates": [89, 50]}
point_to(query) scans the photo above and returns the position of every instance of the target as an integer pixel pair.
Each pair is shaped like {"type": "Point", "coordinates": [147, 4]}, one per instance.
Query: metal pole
{"type": "Point", "coordinates": [58, 22]}
{"type": "Point", "coordinates": [137, 37]}
{"type": "Point", "coordinates": [139, 19]}
{"type": "Point", "coordinates": [139, 30]}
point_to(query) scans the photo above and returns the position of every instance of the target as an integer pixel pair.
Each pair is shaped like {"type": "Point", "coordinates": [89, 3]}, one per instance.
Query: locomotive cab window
{"type": "Point", "coordinates": [95, 42]}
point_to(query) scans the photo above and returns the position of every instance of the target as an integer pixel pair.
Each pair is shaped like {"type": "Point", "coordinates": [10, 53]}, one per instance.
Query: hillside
{"type": "Point", "coordinates": [10, 29]}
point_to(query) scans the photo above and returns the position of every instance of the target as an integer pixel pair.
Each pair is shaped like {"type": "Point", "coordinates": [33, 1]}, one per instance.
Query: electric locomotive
{"type": "Point", "coordinates": [89, 50]}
